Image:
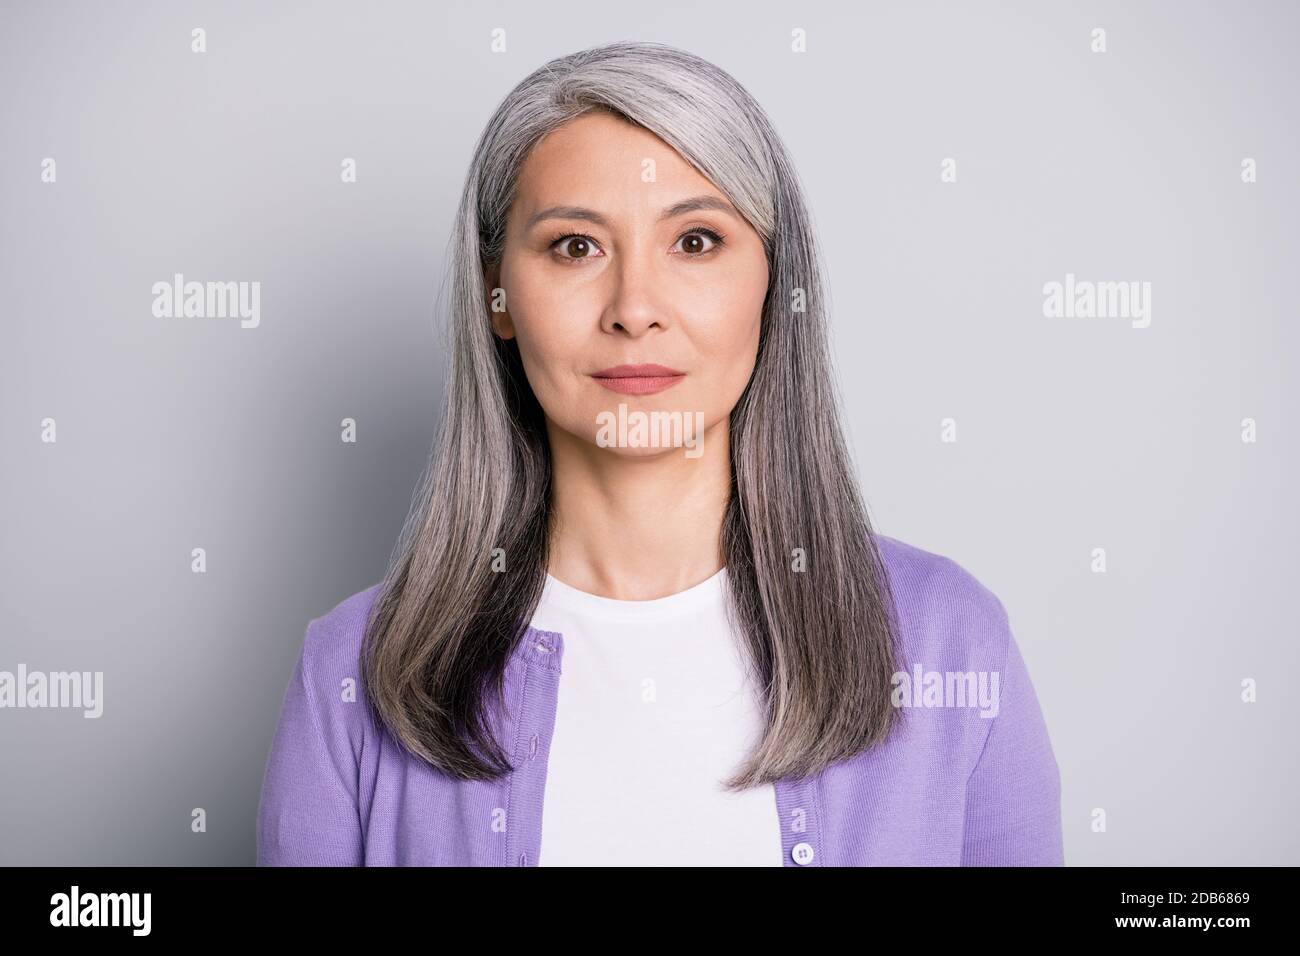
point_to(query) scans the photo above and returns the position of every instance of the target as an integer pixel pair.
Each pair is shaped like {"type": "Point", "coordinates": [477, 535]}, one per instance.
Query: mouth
{"type": "Point", "coordinates": [638, 379]}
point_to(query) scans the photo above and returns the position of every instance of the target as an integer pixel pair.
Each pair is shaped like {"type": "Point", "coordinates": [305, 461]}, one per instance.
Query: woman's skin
{"type": "Point", "coordinates": [630, 523]}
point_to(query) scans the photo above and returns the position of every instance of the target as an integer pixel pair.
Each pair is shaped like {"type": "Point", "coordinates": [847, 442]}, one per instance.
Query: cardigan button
{"type": "Point", "coordinates": [802, 853]}
{"type": "Point", "coordinates": [532, 747]}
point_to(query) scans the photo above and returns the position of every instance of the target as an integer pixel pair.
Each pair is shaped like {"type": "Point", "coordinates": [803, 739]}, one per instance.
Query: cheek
{"type": "Point", "coordinates": [551, 335]}
{"type": "Point", "coordinates": [542, 313]}
{"type": "Point", "coordinates": [728, 338]}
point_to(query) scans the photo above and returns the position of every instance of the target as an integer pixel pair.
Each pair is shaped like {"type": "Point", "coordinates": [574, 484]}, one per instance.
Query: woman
{"type": "Point", "coordinates": [641, 477]}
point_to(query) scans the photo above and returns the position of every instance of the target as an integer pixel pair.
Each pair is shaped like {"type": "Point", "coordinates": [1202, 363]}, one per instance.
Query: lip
{"type": "Point", "coordinates": [638, 379]}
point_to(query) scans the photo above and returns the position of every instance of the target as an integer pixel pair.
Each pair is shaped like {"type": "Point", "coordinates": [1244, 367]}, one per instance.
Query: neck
{"type": "Point", "coordinates": [637, 527]}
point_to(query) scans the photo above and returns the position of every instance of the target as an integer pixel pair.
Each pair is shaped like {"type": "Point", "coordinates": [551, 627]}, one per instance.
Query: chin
{"type": "Point", "coordinates": [639, 453]}
{"type": "Point", "coordinates": [649, 433]}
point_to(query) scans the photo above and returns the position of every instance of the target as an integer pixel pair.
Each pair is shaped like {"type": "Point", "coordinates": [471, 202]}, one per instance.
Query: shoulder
{"type": "Point", "coordinates": [335, 636]}
{"type": "Point", "coordinates": [945, 613]}
{"type": "Point", "coordinates": [330, 660]}
{"type": "Point", "coordinates": [974, 720]}
{"type": "Point", "coordinates": [312, 787]}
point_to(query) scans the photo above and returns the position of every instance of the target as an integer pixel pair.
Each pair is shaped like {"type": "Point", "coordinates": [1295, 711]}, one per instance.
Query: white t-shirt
{"type": "Point", "coordinates": [655, 710]}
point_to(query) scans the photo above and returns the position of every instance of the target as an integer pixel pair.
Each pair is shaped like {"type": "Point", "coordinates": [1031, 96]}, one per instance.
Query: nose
{"type": "Point", "coordinates": [638, 300]}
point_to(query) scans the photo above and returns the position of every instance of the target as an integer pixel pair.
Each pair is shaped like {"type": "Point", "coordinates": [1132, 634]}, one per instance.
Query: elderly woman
{"type": "Point", "coordinates": [651, 645]}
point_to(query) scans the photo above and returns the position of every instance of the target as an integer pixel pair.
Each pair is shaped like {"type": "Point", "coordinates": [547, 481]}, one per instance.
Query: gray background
{"type": "Point", "coordinates": [1072, 433]}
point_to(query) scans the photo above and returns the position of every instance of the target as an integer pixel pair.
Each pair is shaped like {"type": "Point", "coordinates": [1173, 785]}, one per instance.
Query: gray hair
{"type": "Point", "coordinates": [822, 641]}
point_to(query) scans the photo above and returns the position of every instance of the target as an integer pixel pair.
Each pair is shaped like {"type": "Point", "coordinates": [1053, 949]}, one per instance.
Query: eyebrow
{"type": "Point", "coordinates": [694, 204]}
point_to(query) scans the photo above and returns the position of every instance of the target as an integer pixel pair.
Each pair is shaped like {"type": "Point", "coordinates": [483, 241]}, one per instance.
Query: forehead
{"type": "Point", "coordinates": [601, 160]}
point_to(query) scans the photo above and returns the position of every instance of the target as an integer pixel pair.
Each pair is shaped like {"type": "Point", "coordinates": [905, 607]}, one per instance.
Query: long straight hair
{"type": "Point", "coordinates": [808, 590]}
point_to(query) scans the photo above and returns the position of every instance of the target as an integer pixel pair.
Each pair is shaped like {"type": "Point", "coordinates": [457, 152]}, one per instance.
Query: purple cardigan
{"type": "Point", "coordinates": [950, 787]}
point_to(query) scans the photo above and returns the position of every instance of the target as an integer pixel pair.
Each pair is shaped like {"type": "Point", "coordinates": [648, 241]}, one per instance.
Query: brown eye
{"type": "Point", "coordinates": [699, 242]}
{"type": "Point", "coordinates": [577, 247]}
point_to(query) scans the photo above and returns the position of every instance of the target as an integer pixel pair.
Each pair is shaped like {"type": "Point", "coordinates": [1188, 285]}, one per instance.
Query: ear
{"type": "Point", "coordinates": [501, 321]}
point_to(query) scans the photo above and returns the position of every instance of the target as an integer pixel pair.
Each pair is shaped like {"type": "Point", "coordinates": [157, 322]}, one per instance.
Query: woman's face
{"type": "Point", "coordinates": [611, 260]}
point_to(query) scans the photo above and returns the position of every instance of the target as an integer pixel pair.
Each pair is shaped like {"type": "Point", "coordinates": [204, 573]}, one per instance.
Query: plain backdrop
{"type": "Point", "coordinates": [1072, 434]}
